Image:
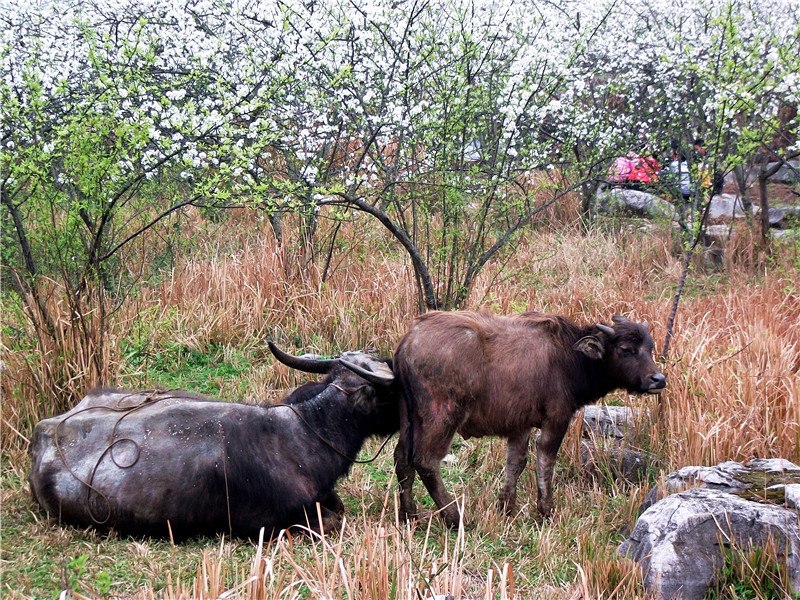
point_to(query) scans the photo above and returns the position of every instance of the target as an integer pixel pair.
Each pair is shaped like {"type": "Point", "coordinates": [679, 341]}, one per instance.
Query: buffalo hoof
{"type": "Point", "coordinates": [545, 510]}
{"type": "Point", "coordinates": [448, 519]}
{"type": "Point", "coordinates": [506, 505]}
{"type": "Point", "coordinates": [451, 516]}
{"type": "Point", "coordinates": [409, 515]}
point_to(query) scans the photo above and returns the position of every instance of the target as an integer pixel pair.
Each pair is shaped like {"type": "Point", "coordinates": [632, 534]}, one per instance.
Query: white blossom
{"type": "Point", "coordinates": [176, 95]}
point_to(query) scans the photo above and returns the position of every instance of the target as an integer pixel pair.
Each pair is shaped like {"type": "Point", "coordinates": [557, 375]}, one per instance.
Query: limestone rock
{"type": "Point", "coordinates": [726, 206]}
{"type": "Point", "coordinates": [678, 541]}
{"type": "Point", "coordinates": [730, 477]}
{"type": "Point", "coordinates": [633, 202]}
{"type": "Point", "coordinates": [612, 458]}
{"type": "Point", "coordinates": [604, 451]}
{"type": "Point", "coordinates": [609, 421]}
{"type": "Point", "coordinates": [789, 172]}
{"type": "Point", "coordinates": [791, 493]}
{"type": "Point", "coordinates": [783, 216]}
{"type": "Point", "coordinates": [678, 535]}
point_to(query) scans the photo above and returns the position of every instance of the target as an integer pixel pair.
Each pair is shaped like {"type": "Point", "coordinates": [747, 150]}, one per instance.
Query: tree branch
{"type": "Point", "coordinates": [141, 230]}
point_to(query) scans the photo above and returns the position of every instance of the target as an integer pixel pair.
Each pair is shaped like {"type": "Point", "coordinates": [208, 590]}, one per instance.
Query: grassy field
{"type": "Point", "coordinates": [733, 393]}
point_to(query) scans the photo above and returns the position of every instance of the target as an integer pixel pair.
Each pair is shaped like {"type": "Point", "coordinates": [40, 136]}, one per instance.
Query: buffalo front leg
{"type": "Point", "coordinates": [548, 445]}
{"type": "Point", "coordinates": [331, 521]}
{"type": "Point", "coordinates": [516, 459]}
{"type": "Point", "coordinates": [331, 501]}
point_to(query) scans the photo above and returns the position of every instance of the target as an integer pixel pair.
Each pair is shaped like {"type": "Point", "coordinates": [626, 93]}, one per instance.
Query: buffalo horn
{"type": "Point", "coordinates": [379, 373]}
{"type": "Point", "coordinates": [605, 329]}
{"type": "Point", "coordinates": [307, 365]}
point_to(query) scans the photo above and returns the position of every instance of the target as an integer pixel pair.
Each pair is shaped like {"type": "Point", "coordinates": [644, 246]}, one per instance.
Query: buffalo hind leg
{"type": "Point", "coordinates": [516, 459]}
{"type": "Point", "coordinates": [549, 443]}
{"type": "Point", "coordinates": [427, 460]}
{"type": "Point", "coordinates": [405, 478]}
{"type": "Point", "coordinates": [431, 476]}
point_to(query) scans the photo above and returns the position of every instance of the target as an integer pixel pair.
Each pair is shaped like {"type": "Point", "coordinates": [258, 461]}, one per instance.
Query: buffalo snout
{"type": "Point", "coordinates": [657, 382]}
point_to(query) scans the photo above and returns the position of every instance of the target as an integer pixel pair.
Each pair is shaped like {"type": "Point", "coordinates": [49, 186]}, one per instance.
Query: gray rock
{"type": "Point", "coordinates": [726, 206]}
{"type": "Point", "coordinates": [787, 235]}
{"type": "Point", "coordinates": [611, 458]}
{"type": "Point", "coordinates": [773, 466]}
{"type": "Point", "coordinates": [604, 450]}
{"type": "Point", "coordinates": [788, 173]}
{"type": "Point", "coordinates": [715, 241]}
{"type": "Point", "coordinates": [792, 494]}
{"type": "Point", "coordinates": [730, 477]}
{"type": "Point", "coordinates": [677, 541]}
{"type": "Point", "coordinates": [783, 216]}
{"type": "Point", "coordinates": [718, 234]}
{"type": "Point", "coordinates": [609, 421]}
{"type": "Point", "coordinates": [633, 202]}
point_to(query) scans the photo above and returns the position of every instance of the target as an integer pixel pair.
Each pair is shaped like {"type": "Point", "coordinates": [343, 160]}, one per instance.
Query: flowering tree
{"type": "Point", "coordinates": [110, 112]}
{"type": "Point", "coordinates": [450, 123]}
{"type": "Point", "coordinates": [657, 72]}
{"type": "Point", "coordinates": [425, 118]}
{"type": "Point", "coordinates": [717, 70]}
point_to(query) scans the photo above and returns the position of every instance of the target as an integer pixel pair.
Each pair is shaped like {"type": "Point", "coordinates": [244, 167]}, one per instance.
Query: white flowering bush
{"type": "Point", "coordinates": [451, 123]}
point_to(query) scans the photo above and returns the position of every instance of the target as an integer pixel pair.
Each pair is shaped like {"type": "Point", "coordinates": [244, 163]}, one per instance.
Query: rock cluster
{"type": "Point", "coordinates": [697, 515]}
{"type": "Point", "coordinates": [687, 523]}
{"type": "Point", "coordinates": [605, 450]}
{"type": "Point", "coordinates": [725, 208]}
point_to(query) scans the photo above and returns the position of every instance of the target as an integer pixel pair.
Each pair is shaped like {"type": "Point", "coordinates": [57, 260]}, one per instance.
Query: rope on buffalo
{"type": "Point", "coordinates": [151, 397]}
{"type": "Point", "coordinates": [331, 446]}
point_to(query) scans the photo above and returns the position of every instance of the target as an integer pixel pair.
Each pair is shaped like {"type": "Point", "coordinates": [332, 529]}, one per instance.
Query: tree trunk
{"type": "Point", "coordinates": [763, 178]}
{"type": "Point", "coordinates": [762, 190]}
{"type": "Point", "coordinates": [741, 183]}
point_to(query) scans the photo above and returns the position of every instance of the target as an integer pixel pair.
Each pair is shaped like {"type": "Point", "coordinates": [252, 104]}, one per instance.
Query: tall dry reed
{"type": "Point", "coordinates": [733, 393]}
{"type": "Point", "coordinates": [734, 389]}
{"type": "Point", "coordinates": [51, 355]}
{"type": "Point", "coordinates": [392, 559]}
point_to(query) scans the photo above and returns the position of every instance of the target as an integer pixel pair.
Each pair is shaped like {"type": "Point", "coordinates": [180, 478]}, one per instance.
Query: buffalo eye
{"type": "Point", "coordinates": [627, 350]}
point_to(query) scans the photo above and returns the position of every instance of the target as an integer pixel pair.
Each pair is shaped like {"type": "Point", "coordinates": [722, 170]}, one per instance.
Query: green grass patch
{"type": "Point", "coordinates": [203, 371]}
{"type": "Point", "coordinates": [40, 559]}
{"type": "Point", "coordinates": [751, 573]}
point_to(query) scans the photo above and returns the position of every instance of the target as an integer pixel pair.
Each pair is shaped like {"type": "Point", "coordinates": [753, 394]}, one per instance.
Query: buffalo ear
{"type": "Point", "coordinates": [590, 346]}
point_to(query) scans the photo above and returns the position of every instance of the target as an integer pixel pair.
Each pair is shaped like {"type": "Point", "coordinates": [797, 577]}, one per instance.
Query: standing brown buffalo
{"type": "Point", "coordinates": [478, 374]}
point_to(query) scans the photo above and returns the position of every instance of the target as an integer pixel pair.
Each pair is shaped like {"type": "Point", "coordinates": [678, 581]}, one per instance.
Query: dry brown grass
{"type": "Point", "coordinates": [238, 298]}
{"type": "Point", "coordinates": [733, 394]}
{"type": "Point", "coordinates": [734, 385]}
{"type": "Point", "coordinates": [47, 373]}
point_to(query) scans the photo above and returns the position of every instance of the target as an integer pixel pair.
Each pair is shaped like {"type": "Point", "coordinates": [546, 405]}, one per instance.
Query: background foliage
{"type": "Point", "coordinates": [181, 180]}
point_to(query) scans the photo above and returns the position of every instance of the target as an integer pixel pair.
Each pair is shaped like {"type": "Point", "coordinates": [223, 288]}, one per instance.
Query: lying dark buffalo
{"type": "Point", "coordinates": [481, 375]}
{"type": "Point", "coordinates": [168, 463]}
